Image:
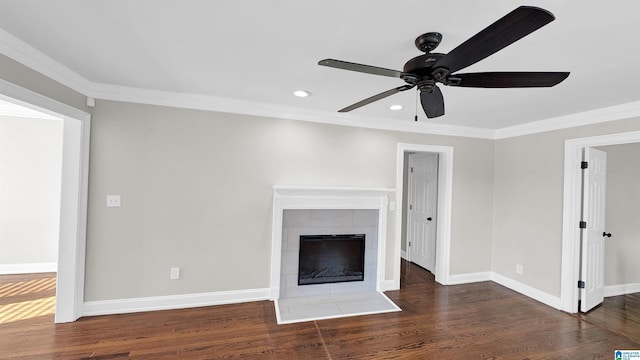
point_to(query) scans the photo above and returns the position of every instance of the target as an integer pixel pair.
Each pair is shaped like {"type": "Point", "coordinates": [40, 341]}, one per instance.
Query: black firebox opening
{"type": "Point", "coordinates": [331, 258]}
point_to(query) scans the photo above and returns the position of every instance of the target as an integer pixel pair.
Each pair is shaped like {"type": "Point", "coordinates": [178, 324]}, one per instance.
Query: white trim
{"type": "Point", "coordinates": [611, 113]}
{"type": "Point", "coordinates": [154, 303]}
{"type": "Point", "coordinates": [622, 289]}
{"type": "Point", "coordinates": [509, 283]}
{"type": "Point", "coordinates": [445, 195]}
{"type": "Point", "coordinates": [403, 254]}
{"type": "Point", "coordinates": [571, 211]}
{"type": "Point", "coordinates": [307, 197]}
{"type": "Point", "coordinates": [387, 285]}
{"type": "Point", "coordinates": [31, 57]}
{"type": "Point", "coordinates": [74, 195]}
{"type": "Point", "coordinates": [237, 106]}
{"type": "Point", "coordinates": [33, 100]}
{"type": "Point", "coordinates": [30, 268]}
{"type": "Point", "coordinates": [527, 290]}
{"type": "Point", "coordinates": [469, 278]}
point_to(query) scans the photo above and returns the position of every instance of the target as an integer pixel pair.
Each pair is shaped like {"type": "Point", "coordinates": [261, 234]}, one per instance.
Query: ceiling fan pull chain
{"type": "Point", "coordinates": [416, 117]}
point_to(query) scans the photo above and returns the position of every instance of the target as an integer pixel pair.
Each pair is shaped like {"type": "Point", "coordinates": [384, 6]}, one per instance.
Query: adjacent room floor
{"type": "Point", "coordinates": [474, 321]}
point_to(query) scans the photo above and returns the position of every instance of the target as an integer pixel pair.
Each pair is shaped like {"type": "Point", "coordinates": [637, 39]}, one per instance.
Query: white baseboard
{"type": "Point", "coordinates": [403, 254]}
{"type": "Point", "coordinates": [123, 306]}
{"type": "Point", "coordinates": [623, 289]}
{"type": "Point", "coordinates": [527, 290]}
{"type": "Point", "coordinates": [509, 283]}
{"type": "Point", "coordinates": [7, 269]}
{"type": "Point", "coordinates": [468, 278]}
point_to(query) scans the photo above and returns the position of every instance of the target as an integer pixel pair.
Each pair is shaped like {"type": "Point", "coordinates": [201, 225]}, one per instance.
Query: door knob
{"type": "Point", "coordinates": [429, 219]}
{"type": "Point", "coordinates": [606, 234]}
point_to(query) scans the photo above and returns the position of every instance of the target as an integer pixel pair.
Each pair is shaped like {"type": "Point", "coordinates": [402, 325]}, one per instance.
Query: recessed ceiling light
{"type": "Point", "coordinates": [301, 93]}
{"type": "Point", "coordinates": [395, 107]}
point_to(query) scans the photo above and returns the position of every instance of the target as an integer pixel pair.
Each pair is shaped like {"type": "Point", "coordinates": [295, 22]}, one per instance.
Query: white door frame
{"type": "Point", "coordinates": [569, 292]}
{"type": "Point", "coordinates": [443, 226]}
{"type": "Point", "coordinates": [74, 195]}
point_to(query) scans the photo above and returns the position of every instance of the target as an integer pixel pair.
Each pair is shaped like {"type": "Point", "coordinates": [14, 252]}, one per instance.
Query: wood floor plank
{"type": "Point", "coordinates": [472, 321]}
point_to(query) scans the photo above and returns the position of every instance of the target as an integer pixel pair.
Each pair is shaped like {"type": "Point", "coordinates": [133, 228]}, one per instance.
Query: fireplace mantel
{"type": "Point", "coordinates": [314, 197]}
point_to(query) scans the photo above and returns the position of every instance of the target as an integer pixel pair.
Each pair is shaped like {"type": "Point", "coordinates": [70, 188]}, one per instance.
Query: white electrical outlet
{"type": "Point", "coordinates": [175, 273]}
{"type": "Point", "coordinates": [519, 269]}
{"type": "Point", "coordinates": [113, 200]}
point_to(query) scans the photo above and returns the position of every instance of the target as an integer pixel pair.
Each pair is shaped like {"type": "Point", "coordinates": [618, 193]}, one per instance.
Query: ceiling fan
{"type": "Point", "coordinates": [425, 71]}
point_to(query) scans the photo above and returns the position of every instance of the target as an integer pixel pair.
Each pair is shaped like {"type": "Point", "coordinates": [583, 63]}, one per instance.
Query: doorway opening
{"type": "Point", "coordinates": [73, 195]}
{"type": "Point", "coordinates": [439, 160]}
{"type": "Point", "coordinates": [30, 174]}
{"type": "Point", "coordinates": [572, 212]}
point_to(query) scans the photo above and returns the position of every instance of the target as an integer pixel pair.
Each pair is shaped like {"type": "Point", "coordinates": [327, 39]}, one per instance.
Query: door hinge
{"type": "Point", "coordinates": [581, 284]}
{"type": "Point", "coordinates": [584, 165]}
{"type": "Point", "coordinates": [411, 169]}
{"type": "Point", "coordinates": [583, 224]}
{"type": "Point", "coordinates": [410, 207]}
{"type": "Point", "coordinates": [409, 243]}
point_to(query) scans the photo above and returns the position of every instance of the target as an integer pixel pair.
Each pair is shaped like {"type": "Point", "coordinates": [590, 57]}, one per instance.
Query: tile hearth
{"type": "Point", "coordinates": [309, 308]}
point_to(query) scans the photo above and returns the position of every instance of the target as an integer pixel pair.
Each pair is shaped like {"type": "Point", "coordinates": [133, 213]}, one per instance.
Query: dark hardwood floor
{"type": "Point", "coordinates": [619, 314]}
{"type": "Point", "coordinates": [474, 321]}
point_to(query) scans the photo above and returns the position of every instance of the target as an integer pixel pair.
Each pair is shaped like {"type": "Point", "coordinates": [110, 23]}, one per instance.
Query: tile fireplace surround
{"type": "Point", "coordinates": [321, 210]}
{"type": "Point", "coordinates": [326, 222]}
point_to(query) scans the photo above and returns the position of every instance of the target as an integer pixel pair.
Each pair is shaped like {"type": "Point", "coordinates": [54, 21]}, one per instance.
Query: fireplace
{"type": "Point", "coordinates": [302, 211]}
{"type": "Point", "coordinates": [331, 258]}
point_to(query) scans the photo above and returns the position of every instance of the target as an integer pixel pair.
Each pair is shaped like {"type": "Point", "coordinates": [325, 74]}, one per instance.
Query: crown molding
{"type": "Point", "coordinates": [611, 113]}
{"type": "Point", "coordinates": [29, 56]}
{"type": "Point", "coordinates": [236, 106]}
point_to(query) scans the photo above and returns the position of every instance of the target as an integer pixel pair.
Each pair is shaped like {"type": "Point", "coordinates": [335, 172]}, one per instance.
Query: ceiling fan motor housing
{"type": "Point", "coordinates": [421, 68]}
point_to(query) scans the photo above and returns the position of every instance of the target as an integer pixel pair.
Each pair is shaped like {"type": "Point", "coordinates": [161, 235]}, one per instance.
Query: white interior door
{"type": "Point", "coordinates": [423, 193]}
{"type": "Point", "coordinates": [593, 213]}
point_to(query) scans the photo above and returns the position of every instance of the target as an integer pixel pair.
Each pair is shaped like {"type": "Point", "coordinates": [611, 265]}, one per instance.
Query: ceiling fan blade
{"type": "Point", "coordinates": [345, 65]}
{"type": "Point", "coordinates": [377, 97]}
{"type": "Point", "coordinates": [502, 33]}
{"type": "Point", "coordinates": [507, 79]}
{"type": "Point", "coordinates": [432, 102]}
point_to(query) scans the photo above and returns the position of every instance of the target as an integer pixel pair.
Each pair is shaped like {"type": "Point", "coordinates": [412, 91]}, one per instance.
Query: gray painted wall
{"type": "Point", "coordinates": [197, 188]}
{"type": "Point", "coordinates": [528, 195]}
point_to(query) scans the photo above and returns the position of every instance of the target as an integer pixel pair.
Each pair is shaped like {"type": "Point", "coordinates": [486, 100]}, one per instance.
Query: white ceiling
{"type": "Point", "coordinates": [259, 52]}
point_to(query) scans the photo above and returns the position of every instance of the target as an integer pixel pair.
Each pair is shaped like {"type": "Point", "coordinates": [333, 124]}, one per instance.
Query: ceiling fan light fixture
{"type": "Point", "coordinates": [301, 93]}
{"type": "Point", "coordinates": [395, 107]}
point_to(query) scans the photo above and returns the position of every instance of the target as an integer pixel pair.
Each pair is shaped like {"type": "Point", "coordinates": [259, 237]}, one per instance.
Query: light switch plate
{"type": "Point", "coordinates": [175, 273]}
{"type": "Point", "coordinates": [113, 200]}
